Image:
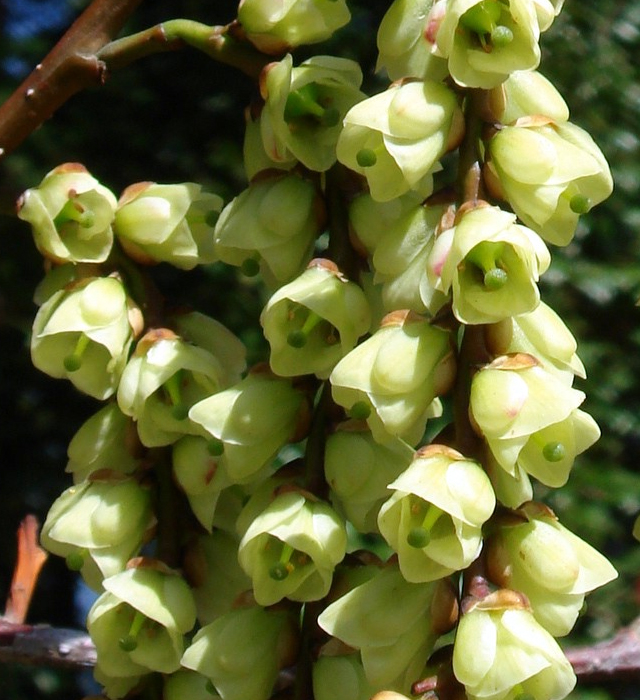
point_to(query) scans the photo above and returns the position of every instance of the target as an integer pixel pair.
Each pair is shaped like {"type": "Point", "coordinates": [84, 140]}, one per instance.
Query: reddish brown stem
{"type": "Point", "coordinates": [71, 66]}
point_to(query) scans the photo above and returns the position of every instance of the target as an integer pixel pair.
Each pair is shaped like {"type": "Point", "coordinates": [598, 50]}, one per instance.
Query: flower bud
{"type": "Point", "coordinates": [274, 27]}
{"type": "Point", "coordinates": [168, 223]}
{"type": "Point", "coordinates": [490, 265]}
{"type": "Point", "coordinates": [247, 424]}
{"type": "Point", "coordinates": [516, 656]}
{"type": "Point", "coordinates": [536, 555]}
{"type": "Point", "coordinates": [107, 440]}
{"type": "Point", "coordinates": [361, 489]}
{"type": "Point", "coordinates": [404, 52]}
{"type": "Point", "coordinates": [314, 321]}
{"type": "Point", "coordinates": [304, 108]}
{"type": "Point", "coordinates": [291, 549]}
{"type": "Point", "coordinates": [70, 214]}
{"type": "Point", "coordinates": [99, 525]}
{"type": "Point", "coordinates": [242, 652]}
{"type": "Point", "coordinates": [163, 379]}
{"type": "Point", "coordinates": [392, 379]}
{"type": "Point", "coordinates": [395, 138]}
{"type": "Point", "coordinates": [84, 333]}
{"type": "Point", "coordinates": [434, 518]}
{"type": "Point", "coordinates": [566, 174]}
{"type": "Point", "coordinates": [199, 474]}
{"type": "Point", "coordinates": [390, 621]}
{"type": "Point", "coordinates": [484, 41]}
{"type": "Point", "coordinates": [272, 224]}
{"type": "Point", "coordinates": [138, 624]}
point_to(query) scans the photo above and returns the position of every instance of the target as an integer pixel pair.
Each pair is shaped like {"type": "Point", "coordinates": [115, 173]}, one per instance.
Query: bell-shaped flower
{"type": "Point", "coordinates": [168, 223]}
{"type": "Point", "coordinates": [217, 580]}
{"type": "Point", "coordinates": [70, 214]}
{"type": "Point", "coordinates": [533, 553]}
{"type": "Point", "coordinates": [271, 226]}
{"type": "Point", "coordinates": [243, 650]}
{"type": "Point", "coordinates": [502, 653]}
{"type": "Point", "coordinates": [247, 424]}
{"type": "Point", "coordinates": [541, 333]}
{"type": "Point", "coordinates": [340, 676]}
{"type": "Point", "coordinates": [435, 516]}
{"type": "Point", "coordinates": [490, 265]}
{"type": "Point", "coordinates": [291, 549]}
{"type": "Point", "coordinates": [403, 49]}
{"type": "Point", "coordinates": [163, 379]}
{"type": "Point", "coordinates": [393, 623]}
{"type": "Point", "coordinates": [393, 378]}
{"type": "Point", "coordinates": [200, 476]}
{"type": "Point", "coordinates": [314, 321]}
{"type": "Point", "coordinates": [566, 174]}
{"type": "Point", "coordinates": [528, 417]}
{"type": "Point", "coordinates": [394, 139]}
{"type": "Point", "coordinates": [138, 624]}
{"type": "Point", "coordinates": [304, 108]}
{"type": "Point", "coordinates": [274, 26]}
{"type": "Point", "coordinates": [526, 93]}
{"type": "Point", "coordinates": [98, 525]}
{"type": "Point", "coordinates": [107, 440]}
{"type": "Point", "coordinates": [485, 40]}
{"type": "Point", "coordinates": [360, 490]}
{"type": "Point", "coordinates": [84, 333]}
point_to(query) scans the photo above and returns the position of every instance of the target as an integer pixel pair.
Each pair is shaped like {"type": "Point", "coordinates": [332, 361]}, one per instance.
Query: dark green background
{"type": "Point", "coordinates": [178, 117]}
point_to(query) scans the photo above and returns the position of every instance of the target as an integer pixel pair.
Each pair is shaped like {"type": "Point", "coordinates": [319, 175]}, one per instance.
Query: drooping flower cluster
{"type": "Point", "coordinates": [251, 493]}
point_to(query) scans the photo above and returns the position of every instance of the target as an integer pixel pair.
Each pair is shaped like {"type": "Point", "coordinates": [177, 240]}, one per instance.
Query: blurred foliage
{"type": "Point", "coordinates": [177, 117]}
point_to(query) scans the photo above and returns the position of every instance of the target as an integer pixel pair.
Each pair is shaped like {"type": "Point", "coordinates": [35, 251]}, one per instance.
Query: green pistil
{"type": "Point", "coordinates": [75, 560]}
{"type": "Point", "coordinates": [74, 212]}
{"type": "Point", "coordinates": [173, 389]}
{"type": "Point", "coordinates": [486, 257]}
{"type": "Point", "coordinates": [420, 536]}
{"type": "Point", "coordinates": [250, 267]}
{"type": "Point", "coordinates": [579, 204]}
{"type": "Point", "coordinates": [298, 339]}
{"type": "Point", "coordinates": [306, 102]}
{"type": "Point", "coordinates": [360, 410]}
{"type": "Point", "coordinates": [73, 362]}
{"type": "Point", "coordinates": [482, 20]}
{"type": "Point", "coordinates": [501, 36]}
{"type": "Point", "coordinates": [128, 642]}
{"type": "Point", "coordinates": [283, 567]}
{"type": "Point", "coordinates": [366, 157]}
{"type": "Point", "coordinates": [215, 447]}
{"type": "Point", "coordinates": [554, 452]}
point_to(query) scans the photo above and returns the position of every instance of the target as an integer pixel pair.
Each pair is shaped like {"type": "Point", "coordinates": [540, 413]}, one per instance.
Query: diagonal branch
{"type": "Point", "coordinates": [71, 66]}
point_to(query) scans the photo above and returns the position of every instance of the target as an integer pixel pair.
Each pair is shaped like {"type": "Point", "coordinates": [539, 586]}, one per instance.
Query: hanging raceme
{"type": "Point", "coordinates": [303, 513]}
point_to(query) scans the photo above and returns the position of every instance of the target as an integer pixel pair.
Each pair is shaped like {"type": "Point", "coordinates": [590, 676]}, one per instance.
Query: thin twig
{"type": "Point", "coordinates": [71, 66]}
